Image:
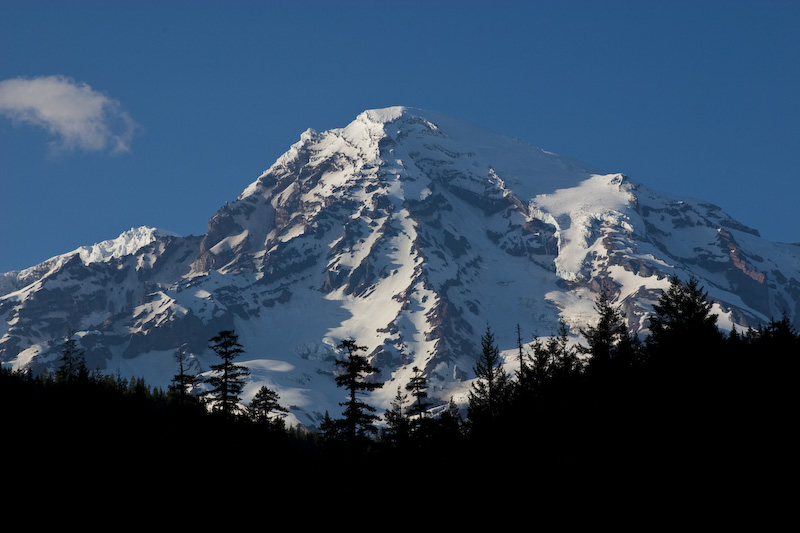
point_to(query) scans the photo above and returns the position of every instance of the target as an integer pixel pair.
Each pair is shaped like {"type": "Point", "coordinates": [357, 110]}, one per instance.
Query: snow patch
{"type": "Point", "coordinates": [128, 243]}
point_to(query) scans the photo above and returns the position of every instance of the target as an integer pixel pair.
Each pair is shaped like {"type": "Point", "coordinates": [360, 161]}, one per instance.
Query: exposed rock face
{"type": "Point", "coordinates": [407, 231]}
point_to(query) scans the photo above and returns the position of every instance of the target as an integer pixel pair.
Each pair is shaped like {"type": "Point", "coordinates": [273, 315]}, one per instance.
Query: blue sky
{"type": "Point", "coordinates": [174, 107]}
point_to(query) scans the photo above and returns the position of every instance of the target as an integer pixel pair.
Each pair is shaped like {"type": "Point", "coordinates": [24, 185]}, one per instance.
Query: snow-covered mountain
{"type": "Point", "coordinates": [407, 231]}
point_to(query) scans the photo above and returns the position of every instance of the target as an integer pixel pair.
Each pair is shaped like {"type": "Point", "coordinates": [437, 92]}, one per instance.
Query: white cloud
{"type": "Point", "coordinates": [79, 117]}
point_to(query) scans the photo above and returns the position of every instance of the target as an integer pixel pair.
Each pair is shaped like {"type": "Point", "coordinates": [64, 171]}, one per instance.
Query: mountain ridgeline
{"type": "Point", "coordinates": [409, 232]}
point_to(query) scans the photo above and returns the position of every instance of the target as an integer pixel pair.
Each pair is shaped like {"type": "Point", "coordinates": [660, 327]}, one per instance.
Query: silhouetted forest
{"type": "Point", "coordinates": [686, 400]}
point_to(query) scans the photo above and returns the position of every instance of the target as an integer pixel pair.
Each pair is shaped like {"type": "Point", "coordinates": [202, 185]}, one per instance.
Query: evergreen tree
{"type": "Point", "coordinates": [770, 364]}
{"type": "Point", "coordinates": [359, 417]}
{"type": "Point", "coordinates": [448, 426]}
{"type": "Point", "coordinates": [565, 362]}
{"type": "Point", "coordinates": [183, 382]}
{"type": "Point", "coordinates": [265, 409]}
{"type": "Point", "coordinates": [555, 364]}
{"type": "Point", "coordinates": [682, 324]}
{"type": "Point", "coordinates": [331, 434]}
{"type": "Point", "coordinates": [418, 387]}
{"type": "Point", "coordinates": [608, 338]}
{"type": "Point", "coordinates": [73, 362]}
{"type": "Point", "coordinates": [228, 379]}
{"type": "Point", "coordinates": [778, 339]}
{"type": "Point", "coordinates": [138, 388]}
{"type": "Point", "coordinates": [524, 373]}
{"type": "Point", "coordinates": [683, 376]}
{"type": "Point", "coordinates": [540, 370]}
{"type": "Point", "coordinates": [398, 426]}
{"type": "Point", "coordinates": [489, 392]}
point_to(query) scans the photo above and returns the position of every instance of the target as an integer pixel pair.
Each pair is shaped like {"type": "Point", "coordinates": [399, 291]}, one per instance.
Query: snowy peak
{"type": "Point", "coordinates": [128, 243]}
{"type": "Point", "coordinates": [408, 231]}
{"type": "Point", "coordinates": [429, 133]}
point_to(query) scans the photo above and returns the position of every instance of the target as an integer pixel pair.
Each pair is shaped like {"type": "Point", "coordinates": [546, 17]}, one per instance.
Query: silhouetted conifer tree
{"type": "Point", "coordinates": [266, 409]}
{"type": "Point", "coordinates": [770, 364]}
{"type": "Point", "coordinates": [541, 368]}
{"type": "Point", "coordinates": [524, 373]}
{"type": "Point", "coordinates": [228, 379]}
{"type": "Point", "coordinates": [328, 430]}
{"type": "Point", "coordinates": [778, 338]}
{"type": "Point", "coordinates": [607, 337]}
{"type": "Point", "coordinates": [564, 360]}
{"type": "Point", "coordinates": [184, 381]}
{"type": "Point", "coordinates": [418, 387]}
{"type": "Point", "coordinates": [73, 362]}
{"type": "Point", "coordinates": [489, 393]}
{"type": "Point", "coordinates": [397, 432]}
{"type": "Point", "coordinates": [683, 380]}
{"type": "Point", "coordinates": [448, 427]}
{"type": "Point", "coordinates": [359, 417]}
{"type": "Point", "coordinates": [682, 324]}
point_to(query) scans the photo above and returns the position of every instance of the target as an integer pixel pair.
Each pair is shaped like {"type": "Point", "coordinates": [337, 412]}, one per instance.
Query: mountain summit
{"type": "Point", "coordinates": [407, 231]}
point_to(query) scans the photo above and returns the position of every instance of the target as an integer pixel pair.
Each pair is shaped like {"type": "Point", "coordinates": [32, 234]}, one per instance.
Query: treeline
{"type": "Point", "coordinates": [87, 418]}
{"type": "Point", "coordinates": [685, 398]}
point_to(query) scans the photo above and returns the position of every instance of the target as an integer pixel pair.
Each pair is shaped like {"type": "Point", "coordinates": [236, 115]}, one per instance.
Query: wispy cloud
{"type": "Point", "coordinates": [79, 117]}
